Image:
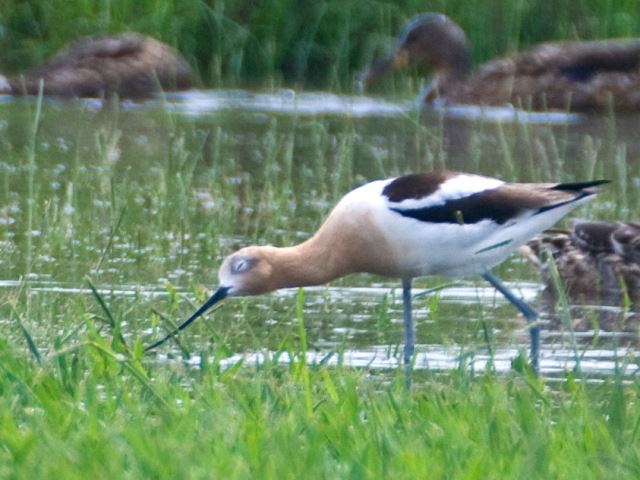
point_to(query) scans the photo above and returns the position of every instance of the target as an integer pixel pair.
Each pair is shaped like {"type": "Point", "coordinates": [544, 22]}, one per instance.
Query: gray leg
{"type": "Point", "coordinates": [529, 314]}
{"type": "Point", "coordinates": [408, 331]}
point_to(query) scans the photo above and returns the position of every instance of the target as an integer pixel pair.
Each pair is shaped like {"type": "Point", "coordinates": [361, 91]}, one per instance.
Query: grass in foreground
{"type": "Point", "coordinates": [93, 410]}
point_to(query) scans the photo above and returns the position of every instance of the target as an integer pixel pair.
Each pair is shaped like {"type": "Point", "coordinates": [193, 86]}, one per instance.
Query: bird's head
{"type": "Point", "coordinates": [247, 272]}
{"type": "Point", "coordinates": [429, 40]}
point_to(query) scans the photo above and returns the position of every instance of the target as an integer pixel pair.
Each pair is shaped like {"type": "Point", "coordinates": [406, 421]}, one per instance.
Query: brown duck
{"type": "Point", "coordinates": [577, 76]}
{"type": "Point", "coordinates": [129, 65]}
{"type": "Point", "coordinates": [597, 262]}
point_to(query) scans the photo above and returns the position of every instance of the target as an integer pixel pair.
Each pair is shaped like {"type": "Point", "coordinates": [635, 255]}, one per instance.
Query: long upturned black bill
{"type": "Point", "coordinates": [218, 295]}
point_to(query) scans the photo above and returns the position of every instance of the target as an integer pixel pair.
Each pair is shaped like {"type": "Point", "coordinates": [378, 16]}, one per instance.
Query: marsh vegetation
{"type": "Point", "coordinates": [115, 217]}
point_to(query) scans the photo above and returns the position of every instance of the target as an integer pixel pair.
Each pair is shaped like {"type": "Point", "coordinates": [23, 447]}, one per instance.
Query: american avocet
{"type": "Point", "coordinates": [442, 223]}
{"type": "Point", "coordinates": [130, 65]}
{"type": "Point", "coordinates": [597, 262]}
{"type": "Point", "coordinates": [581, 76]}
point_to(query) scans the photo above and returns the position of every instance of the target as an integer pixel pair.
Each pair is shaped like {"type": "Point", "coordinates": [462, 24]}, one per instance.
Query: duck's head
{"type": "Point", "coordinates": [593, 236]}
{"type": "Point", "coordinates": [626, 242]}
{"type": "Point", "coordinates": [429, 40]}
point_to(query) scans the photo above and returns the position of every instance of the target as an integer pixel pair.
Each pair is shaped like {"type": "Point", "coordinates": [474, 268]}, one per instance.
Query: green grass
{"type": "Point", "coordinates": [90, 410]}
{"type": "Point", "coordinates": [292, 42]}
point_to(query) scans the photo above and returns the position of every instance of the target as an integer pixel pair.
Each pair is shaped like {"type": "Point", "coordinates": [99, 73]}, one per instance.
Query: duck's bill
{"type": "Point", "coordinates": [218, 295]}
{"type": "Point", "coordinates": [398, 60]}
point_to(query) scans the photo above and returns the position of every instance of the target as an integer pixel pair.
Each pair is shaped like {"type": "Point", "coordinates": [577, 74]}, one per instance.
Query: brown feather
{"type": "Point", "coordinates": [591, 270]}
{"type": "Point", "coordinates": [578, 76]}
{"type": "Point", "coordinates": [130, 65]}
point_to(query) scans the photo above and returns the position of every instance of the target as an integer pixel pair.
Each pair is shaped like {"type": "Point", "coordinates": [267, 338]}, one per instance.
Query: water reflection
{"type": "Point", "coordinates": [537, 145]}
{"type": "Point", "coordinates": [343, 326]}
{"type": "Point", "coordinates": [205, 102]}
{"type": "Point", "coordinates": [553, 362]}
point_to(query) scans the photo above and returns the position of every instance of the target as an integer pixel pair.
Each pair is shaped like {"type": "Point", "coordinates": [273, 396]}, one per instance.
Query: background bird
{"type": "Point", "coordinates": [577, 76]}
{"type": "Point", "coordinates": [129, 65]}
{"type": "Point", "coordinates": [598, 263]}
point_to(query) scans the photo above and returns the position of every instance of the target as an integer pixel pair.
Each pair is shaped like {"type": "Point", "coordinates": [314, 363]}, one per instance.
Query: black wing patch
{"type": "Point", "coordinates": [498, 204]}
{"type": "Point", "coordinates": [577, 187]}
{"type": "Point", "coordinates": [487, 205]}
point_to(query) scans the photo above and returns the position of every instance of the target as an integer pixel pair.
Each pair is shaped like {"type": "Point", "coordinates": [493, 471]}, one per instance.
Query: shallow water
{"type": "Point", "coordinates": [146, 199]}
{"type": "Point", "coordinates": [554, 361]}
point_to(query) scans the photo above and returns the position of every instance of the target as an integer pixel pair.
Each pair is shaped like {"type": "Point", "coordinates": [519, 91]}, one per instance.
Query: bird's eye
{"type": "Point", "coordinates": [241, 265]}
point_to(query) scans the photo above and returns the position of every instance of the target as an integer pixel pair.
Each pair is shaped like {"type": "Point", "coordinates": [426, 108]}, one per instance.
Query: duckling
{"type": "Point", "coordinates": [567, 76]}
{"type": "Point", "coordinates": [597, 262]}
{"type": "Point", "coordinates": [129, 65]}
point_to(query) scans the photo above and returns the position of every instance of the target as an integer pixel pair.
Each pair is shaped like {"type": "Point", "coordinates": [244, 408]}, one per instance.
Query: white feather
{"type": "Point", "coordinates": [448, 249]}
